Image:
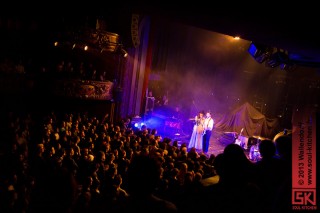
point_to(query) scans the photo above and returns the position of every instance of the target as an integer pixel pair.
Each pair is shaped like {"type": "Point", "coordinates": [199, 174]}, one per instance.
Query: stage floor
{"type": "Point", "coordinates": [179, 130]}
{"type": "Point", "coordinates": [216, 145]}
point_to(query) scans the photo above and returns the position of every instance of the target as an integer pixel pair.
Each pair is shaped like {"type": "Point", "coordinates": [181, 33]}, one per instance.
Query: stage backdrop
{"type": "Point", "coordinates": [249, 118]}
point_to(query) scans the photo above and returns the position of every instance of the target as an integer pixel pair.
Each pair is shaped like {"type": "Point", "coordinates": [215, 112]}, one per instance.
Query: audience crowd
{"type": "Point", "coordinates": [77, 163]}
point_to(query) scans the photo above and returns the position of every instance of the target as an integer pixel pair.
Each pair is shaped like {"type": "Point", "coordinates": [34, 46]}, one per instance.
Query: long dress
{"type": "Point", "coordinates": [197, 134]}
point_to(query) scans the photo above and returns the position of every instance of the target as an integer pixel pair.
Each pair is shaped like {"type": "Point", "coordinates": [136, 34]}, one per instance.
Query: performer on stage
{"type": "Point", "coordinates": [197, 133]}
{"type": "Point", "coordinates": [208, 126]}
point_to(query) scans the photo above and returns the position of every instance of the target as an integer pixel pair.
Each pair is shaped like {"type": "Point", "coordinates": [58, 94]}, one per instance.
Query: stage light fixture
{"type": "Point", "coordinates": [123, 52]}
{"type": "Point", "coordinates": [287, 66]}
{"type": "Point", "coordinates": [284, 66]}
{"type": "Point", "coordinates": [278, 58]}
{"type": "Point", "coordinates": [260, 52]}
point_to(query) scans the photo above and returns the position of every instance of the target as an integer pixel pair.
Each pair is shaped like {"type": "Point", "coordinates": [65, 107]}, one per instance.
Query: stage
{"type": "Point", "coordinates": [180, 130]}
{"type": "Point", "coordinates": [178, 127]}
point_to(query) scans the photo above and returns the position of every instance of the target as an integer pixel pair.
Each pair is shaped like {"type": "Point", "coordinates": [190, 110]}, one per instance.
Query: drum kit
{"type": "Point", "coordinates": [254, 153]}
{"type": "Point", "coordinates": [251, 145]}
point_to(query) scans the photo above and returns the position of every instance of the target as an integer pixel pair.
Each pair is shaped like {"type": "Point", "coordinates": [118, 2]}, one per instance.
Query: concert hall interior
{"type": "Point", "coordinates": [95, 81]}
{"type": "Point", "coordinates": [188, 59]}
{"type": "Point", "coordinates": [192, 59]}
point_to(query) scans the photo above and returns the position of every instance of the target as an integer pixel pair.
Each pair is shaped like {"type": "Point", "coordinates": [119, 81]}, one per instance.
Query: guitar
{"type": "Point", "coordinates": [238, 141]}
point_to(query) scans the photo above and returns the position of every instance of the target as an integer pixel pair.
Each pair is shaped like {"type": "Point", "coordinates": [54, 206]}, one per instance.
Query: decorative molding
{"type": "Point", "coordinates": [135, 30]}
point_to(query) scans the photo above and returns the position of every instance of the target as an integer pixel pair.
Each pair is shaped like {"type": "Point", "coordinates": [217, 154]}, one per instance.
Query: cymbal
{"type": "Point", "coordinates": [259, 137]}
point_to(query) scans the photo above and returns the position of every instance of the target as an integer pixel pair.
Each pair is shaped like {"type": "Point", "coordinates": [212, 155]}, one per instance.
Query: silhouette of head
{"type": "Point", "coordinates": [267, 148]}
{"type": "Point", "coordinates": [143, 175]}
